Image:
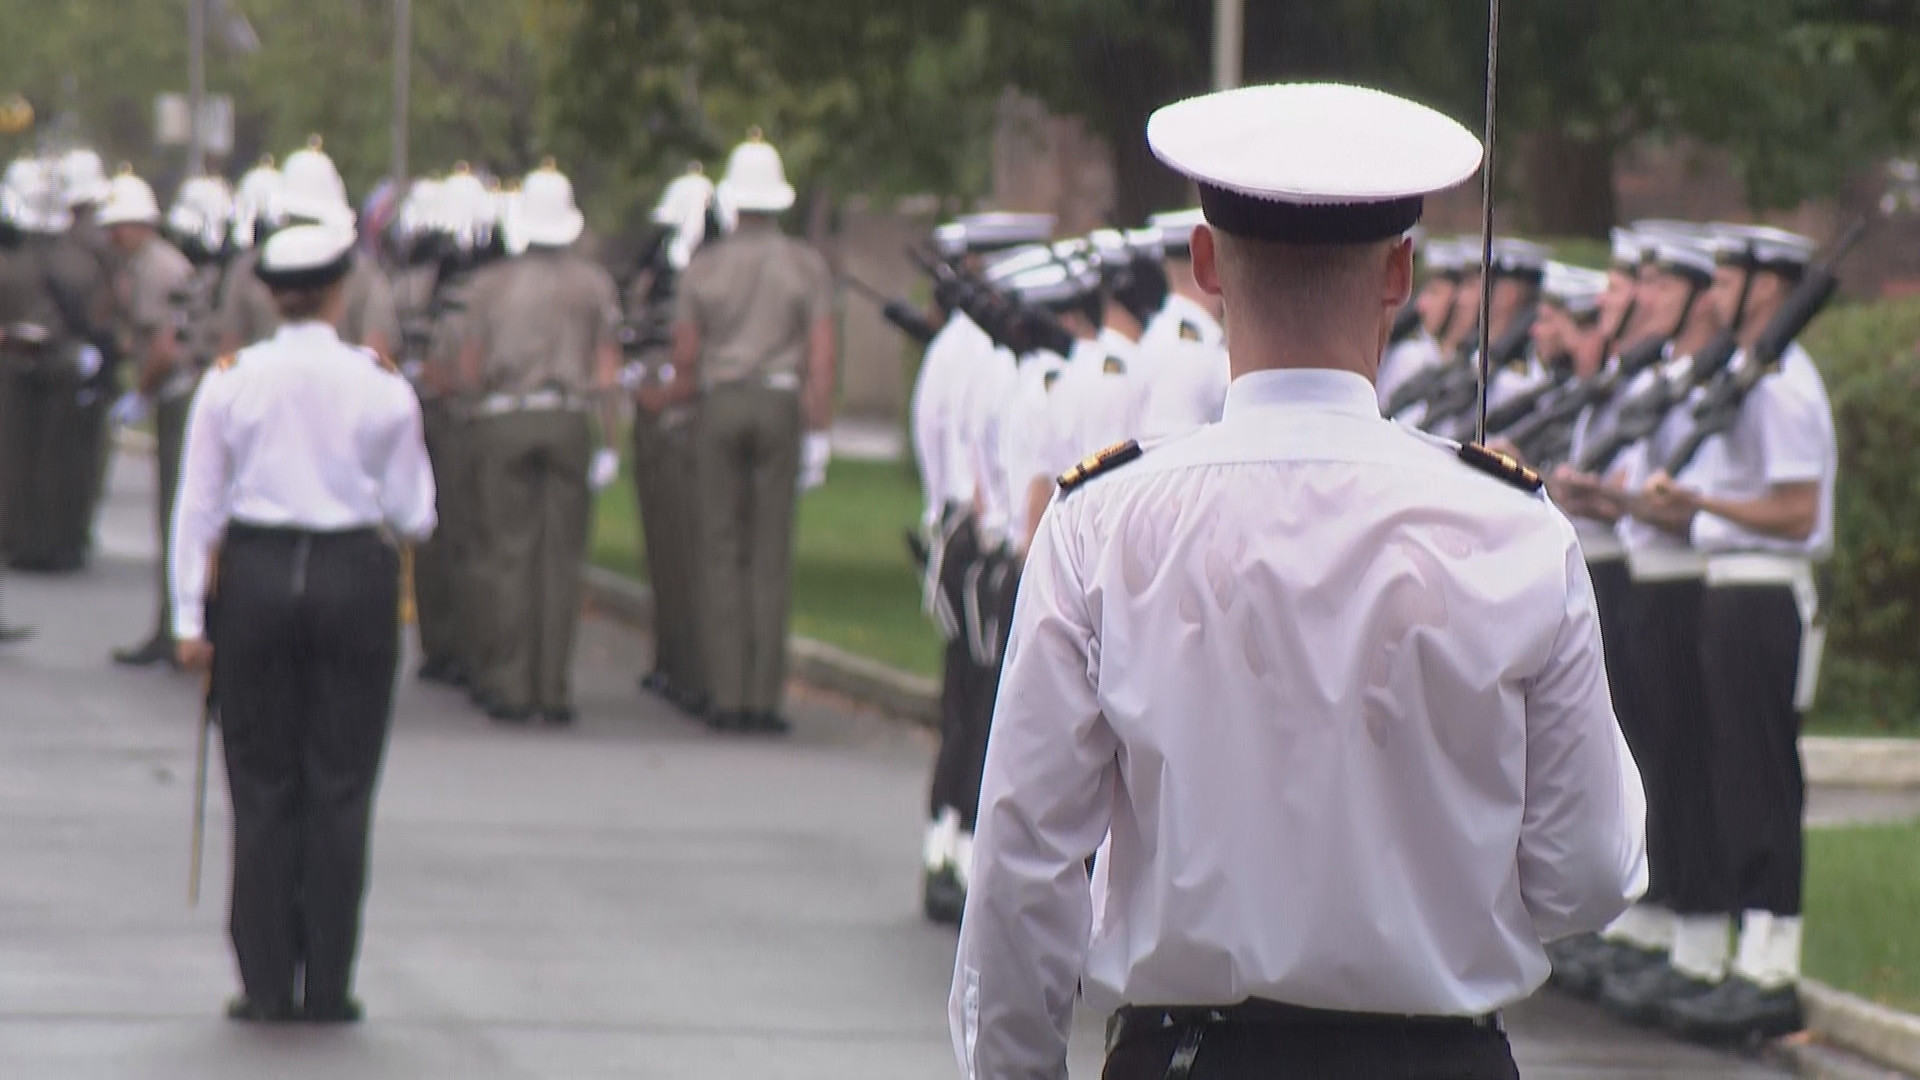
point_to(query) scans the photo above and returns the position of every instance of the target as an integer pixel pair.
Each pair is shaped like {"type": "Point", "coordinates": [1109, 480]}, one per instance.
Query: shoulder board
{"type": "Point", "coordinates": [1113, 365]}
{"type": "Point", "coordinates": [382, 361]}
{"type": "Point", "coordinates": [1501, 467]}
{"type": "Point", "coordinates": [1047, 380]}
{"type": "Point", "coordinates": [1188, 331]}
{"type": "Point", "coordinates": [1103, 462]}
{"type": "Point", "coordinates": [226, 362]}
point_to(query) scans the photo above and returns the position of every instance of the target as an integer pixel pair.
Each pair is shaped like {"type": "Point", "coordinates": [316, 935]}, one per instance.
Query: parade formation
{"type": "Point", "coordinates": [1495, 556]}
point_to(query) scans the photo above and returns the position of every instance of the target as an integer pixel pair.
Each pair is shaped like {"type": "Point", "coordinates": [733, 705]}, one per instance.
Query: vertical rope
{"type": "Point", "coordinates": [1486, 222]}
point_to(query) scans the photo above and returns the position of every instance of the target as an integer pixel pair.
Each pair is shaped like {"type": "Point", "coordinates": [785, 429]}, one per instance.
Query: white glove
{"type": "Point", "coordinates": [815, 451]}
{"type": "Point", "coordinates": [606, 469]}
{"type": "Point", "coordinates": [633, 376]}
{"type": "Point", "coordinates": [89, 361]}
{"type": "Point", "coordinates": [129, 410]}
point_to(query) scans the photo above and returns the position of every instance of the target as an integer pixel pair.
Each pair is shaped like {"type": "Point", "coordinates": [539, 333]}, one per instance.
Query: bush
{"type": "Point", "coordinates": [1867, 354]}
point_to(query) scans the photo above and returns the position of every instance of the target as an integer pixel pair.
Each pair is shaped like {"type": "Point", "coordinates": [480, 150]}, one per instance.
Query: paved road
{"type": "Point", "coordinates": [632, 898]}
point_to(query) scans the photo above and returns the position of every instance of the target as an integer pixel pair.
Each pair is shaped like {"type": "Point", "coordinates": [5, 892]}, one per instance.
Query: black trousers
{"type": "Point", "coordinates": [306, 641]}
{"type": "Point", "coordinates": [1663, 621]}
{"type": "Point", "coordinates": [962, 682]}
{"type": "Point", "coordinates": [1342, 1046]}
{"type": "Point", "coordinates": [1611, 584]}
{"type": "Point", "coordinates": [1750, 651]}
{"type": "Point", "coordinates": [56, 431]}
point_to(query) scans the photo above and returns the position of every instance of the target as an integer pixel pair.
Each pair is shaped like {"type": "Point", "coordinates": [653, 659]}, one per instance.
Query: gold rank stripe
{"type": "Point", "coordinates": [1103, 462]}
{"type": "Point", "coordinates": [1502, 467]}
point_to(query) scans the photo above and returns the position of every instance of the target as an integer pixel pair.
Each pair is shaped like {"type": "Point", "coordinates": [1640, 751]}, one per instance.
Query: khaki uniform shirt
{"type": "Point", "coordinates": [247, 313]}
{"type": "Point", "coordinates": [151, 288]}
{"type": "Point", "coordinates": [754, 297]}
{"type": "Point", "coordinates": [369, 307]}
{"type": "Point", "coordinates": [540, 320]}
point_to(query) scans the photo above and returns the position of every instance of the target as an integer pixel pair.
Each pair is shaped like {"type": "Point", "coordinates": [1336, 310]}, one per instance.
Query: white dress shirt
{"type": "Point", "coordinates": [301, 432]}
{"type": "Point", "coordinates": [1025, 436]}
{"type": "Point", "coordinates": [946, 475]}
{"type": "Point", "coordinates": [981, 435]}
{"type": "Point", "coordinates": [1653, 553]}
{"type": "Point", "coordinates": [1182, 319]}
{"type": "Point", "coordinates": [1099, 400]}
{"type": "Point", "coordinates": [1784, 436]}
{"type": "Point", "coordinates": [1338, 699]}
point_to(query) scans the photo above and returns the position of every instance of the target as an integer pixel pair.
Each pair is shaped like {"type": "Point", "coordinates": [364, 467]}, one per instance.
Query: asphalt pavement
{"type": "Point", "coordinates": [631, 897]}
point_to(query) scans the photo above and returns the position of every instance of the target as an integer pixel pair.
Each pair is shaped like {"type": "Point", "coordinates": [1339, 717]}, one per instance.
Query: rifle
{"type": "Point", "coordinates": [1019, 327]}
{"type": "Point", "coordinates": [898, 312]}
{"type": "Point", "coordinates": [1461, 395]}
{"type": "Point", "coordinates": [1720, 408]}
{"type": "Point", "coordinates": [1523, 405]}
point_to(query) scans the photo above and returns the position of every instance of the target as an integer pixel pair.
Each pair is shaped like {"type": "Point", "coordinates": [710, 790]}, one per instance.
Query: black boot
{"type": "Point", "coordinates": [1639, 996]}
{"type": "Point", "coordinates": [247, 1010]}
{"type": "Point", "coordinates": [347, 1010]}
{"type": "Point", "coordinates": [1736, 1011]}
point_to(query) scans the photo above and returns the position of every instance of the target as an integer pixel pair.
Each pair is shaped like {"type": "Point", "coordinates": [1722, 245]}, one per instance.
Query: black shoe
{"type": "Point", "coordinates": [247, 1010]}
{"type": "Point", "coordinates": [691, 702]}
{"type": "Point", "coordinates": [656, 682]}
{"type": "Point", "coordinates": [941, 897]}
{"type": "Point", "coordinates": [155, 651]}
{"type": "Point", "coordinates": [11, 632]}
{"type": "Point", "coordinates": [444, 672]}
{"type": "Point", "coordinates": [508, 714]}
{"type": "Point", "coordinates": [561, 716]}
{"type": "Point", "coordinates": [1639, 996]}
{"type": "Point", "coordinates": [729, 720]}
{"type": "Point", "coordinates": [345, 1011]}
{"type": "Point", "coordinates": [767, 723]}
{"type": "Point", "coordinates": [1736, 1011]}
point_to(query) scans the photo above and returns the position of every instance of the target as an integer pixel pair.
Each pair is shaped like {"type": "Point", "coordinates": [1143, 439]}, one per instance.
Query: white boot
{"type": "Point", "coordinates": [1769, 949]}
{"type": "Point", "coordinates": [1700, 947]}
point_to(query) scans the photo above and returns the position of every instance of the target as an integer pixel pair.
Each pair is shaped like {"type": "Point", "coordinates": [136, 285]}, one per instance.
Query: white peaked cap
{"type": "Point", "coordinates": [991, 231]}
{"type": "Point", "coordinates": [1011, 264]}
{"type": "Point", "coordinates": [83, 177]}
{"type": "Point", "coordinates": [1057, 282]}
{"type": "Point", "coordinates": [1313, 163]}
{"type": "Point", "coordinates": [307, 256]}
{"type": "Point", "coordinates": [756, 179]}
{"type": "Point", "coordinates": [311, 188]}
{"type": "Point", "coordinates": [1518, 257]}
{"type": "Point", "coordinates": [1762, 245]}
{"type": "Point", "coordinates": [1574, 288]}
{"type": "Point", "coordinates": [1692, 255]}
{"type": "Point", "coordinates": [130, 201]}
{"type": "Point", "coordinates": [1446, 255]}
{"type": "Point", "coordinates": [1176, 229]}
{"type": "Point", "coordinates": [1628, 248]}
{"type": "Point", "coordinates": [545, 213]}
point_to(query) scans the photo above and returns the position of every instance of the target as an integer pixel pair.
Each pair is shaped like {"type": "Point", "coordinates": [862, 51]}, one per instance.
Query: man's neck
{"type": "Point", "coordinates": [1754, 322]}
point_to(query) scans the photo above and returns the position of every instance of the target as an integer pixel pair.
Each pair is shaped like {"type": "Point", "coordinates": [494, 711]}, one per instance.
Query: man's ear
{"type": "Point", "coordinates": [1399, 274]}
{"type": "Point", "coordinates": [1206, 260]}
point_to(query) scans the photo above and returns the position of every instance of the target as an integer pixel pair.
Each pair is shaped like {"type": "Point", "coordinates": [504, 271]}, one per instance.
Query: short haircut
{"type": "Point", "coordinates": [304, 304]}
{"type": "Point", "coordinates": [1309, 287]}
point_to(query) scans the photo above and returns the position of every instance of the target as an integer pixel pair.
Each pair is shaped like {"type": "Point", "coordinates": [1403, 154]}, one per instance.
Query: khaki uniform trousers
{"type": "Point", "coordinates": [535, 508]}
{"type": "Point", "coordinates": [663, 478]}
{"type": "Point", "coordinates": [443, 570]}
{"type": "Point", "coordinates": [170, 445]}
{"type": "Point", "coordinates": [748, 467]}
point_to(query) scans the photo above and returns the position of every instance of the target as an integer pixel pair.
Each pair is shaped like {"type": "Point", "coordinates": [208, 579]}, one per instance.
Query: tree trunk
{"type": "Point", "coordinates": [1564, 185]}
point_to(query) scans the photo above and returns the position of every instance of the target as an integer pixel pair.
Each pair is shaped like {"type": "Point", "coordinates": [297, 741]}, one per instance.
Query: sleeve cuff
{"type": "Point", "coordinates": [187, 624]}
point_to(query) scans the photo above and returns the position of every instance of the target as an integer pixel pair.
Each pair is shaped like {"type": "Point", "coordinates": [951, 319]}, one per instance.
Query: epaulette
{"type": "Point", "coordinates": [384, 362]}
{"type": "Point", "coordinates": [226, 362]}
{"type": "Point", "coordinates": [1047, 380]}
{"type": "Point", "coordinates": [1113, 365]}
{"type": "Point", "coordinates": [1188, 331]}
{"type": "Point", "coordinates": [1502, 467]}
{"type": "Point", "coordinates": [1100, 463]}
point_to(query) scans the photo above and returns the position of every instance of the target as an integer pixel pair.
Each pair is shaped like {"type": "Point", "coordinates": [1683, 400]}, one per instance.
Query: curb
{"type": "Point", "coordinates": [1885, 1036]}
{"type": "Point", "coordinates": [1861, 762]}
{"type": "Point", "coordinates": [908, 697]}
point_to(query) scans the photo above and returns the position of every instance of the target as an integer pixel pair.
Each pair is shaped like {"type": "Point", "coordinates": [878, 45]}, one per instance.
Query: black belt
{"type": "Point", "coordinates": [1194, 1022]}
{"type": "Point", "coordinates": [242, 530]}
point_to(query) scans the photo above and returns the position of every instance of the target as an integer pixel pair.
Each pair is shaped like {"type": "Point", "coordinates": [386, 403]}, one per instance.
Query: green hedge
{"type": "Point", "coordinates": [1871, 681]}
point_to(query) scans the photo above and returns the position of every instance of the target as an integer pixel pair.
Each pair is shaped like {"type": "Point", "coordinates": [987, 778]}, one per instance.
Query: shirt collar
{"type": "Point", "coordinates": [308, 330]}
{"type": "Point", "coordinates": [1318, 389]}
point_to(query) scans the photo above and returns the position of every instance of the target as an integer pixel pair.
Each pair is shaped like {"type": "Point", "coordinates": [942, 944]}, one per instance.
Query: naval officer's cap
{"type": "Point", "coordinates": [307, 256]}
{"type": "Point", "coordinates": [1523, 259]}
{"type": "Point", "coordinates": [973, 234]}
{"type": "Point", "coordinates": [1629, 250]}
{"type": "Point", "coordinates": [1573, 289]}
{"type": "Point", "coordinates": [1447, 256]}
{"type": "Point", "coordinates": [1762, 247]}
{"type": "Point", "coordinates": [1312, 163]}
{"type": "Point", "coordinates": [1176, 230]}
{"type": "Point", "coordinates": [1689, 255]}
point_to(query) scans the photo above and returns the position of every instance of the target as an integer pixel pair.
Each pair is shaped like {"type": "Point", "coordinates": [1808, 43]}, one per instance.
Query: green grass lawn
{"type": "Point", "coordinates": [853, 585]}
{"type": "Point", "coordinates": [1863, 911]}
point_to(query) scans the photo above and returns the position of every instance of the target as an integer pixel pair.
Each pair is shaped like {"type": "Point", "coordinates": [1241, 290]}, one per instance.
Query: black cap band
{"type": "Point", "coordinates": [1292, 223]}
